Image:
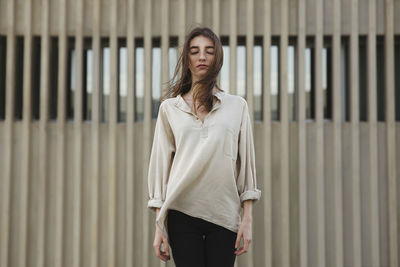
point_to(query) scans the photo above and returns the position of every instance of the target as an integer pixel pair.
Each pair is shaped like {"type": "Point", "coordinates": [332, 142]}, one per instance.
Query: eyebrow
{"type": "Point", "coordinates": [196, 47]}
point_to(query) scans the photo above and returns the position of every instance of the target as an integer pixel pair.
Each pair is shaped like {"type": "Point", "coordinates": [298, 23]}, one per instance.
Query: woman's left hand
{"type": "Point", "coordinates": [245, 233]}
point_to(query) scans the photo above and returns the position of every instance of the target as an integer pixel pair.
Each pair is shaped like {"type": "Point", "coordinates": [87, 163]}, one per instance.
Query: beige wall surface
{"type": "Point", "coordinates": [74, 192]}
{"type": "Point", "coordinates": [190, 7]}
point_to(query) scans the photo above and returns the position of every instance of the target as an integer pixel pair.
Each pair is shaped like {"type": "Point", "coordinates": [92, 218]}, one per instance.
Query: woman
{"type": "Point", "coordinates": [202, 163]}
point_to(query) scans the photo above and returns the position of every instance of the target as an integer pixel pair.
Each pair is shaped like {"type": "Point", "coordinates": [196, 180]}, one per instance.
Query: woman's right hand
{"type": "Point", "coordinates": [161, 239]}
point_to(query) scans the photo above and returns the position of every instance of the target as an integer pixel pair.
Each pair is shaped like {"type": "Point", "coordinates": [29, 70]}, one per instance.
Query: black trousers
{"type": "Point", "coordinates": [199, 243]}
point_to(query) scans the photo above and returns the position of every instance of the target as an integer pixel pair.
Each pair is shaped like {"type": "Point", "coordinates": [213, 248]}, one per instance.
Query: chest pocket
{"type": "Point", "coordinates": [231, 144]}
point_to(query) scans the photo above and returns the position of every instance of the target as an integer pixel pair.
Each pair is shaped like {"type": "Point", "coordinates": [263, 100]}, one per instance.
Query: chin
{"type": "Point", "coordinates": [201, 73]}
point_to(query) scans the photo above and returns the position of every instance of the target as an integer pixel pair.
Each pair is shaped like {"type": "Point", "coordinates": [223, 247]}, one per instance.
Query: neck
{"type": "Point", "coordinates": [194, 80]}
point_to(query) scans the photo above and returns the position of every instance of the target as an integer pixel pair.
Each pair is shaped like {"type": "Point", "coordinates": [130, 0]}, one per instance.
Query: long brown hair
{"type": "Point", "coordinates": [203, 88]}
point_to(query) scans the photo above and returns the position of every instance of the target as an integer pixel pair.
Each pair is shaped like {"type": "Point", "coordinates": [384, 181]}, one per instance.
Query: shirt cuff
{"type": "Point", "coordinates": [250, 194]}
{"type": "Point", "coordinates": [155, 203]}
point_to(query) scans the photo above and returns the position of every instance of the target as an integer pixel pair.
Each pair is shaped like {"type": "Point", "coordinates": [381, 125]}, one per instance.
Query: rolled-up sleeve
{"type": "Point", "coordinates": [162, 154]}
{"type": "Point", "coordinates": [246, 165]}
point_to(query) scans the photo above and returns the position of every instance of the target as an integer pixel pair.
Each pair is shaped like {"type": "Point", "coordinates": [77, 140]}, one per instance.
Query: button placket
{"type": "Point", "coordinates": [204, 132]}
{"type": "Point", "coordinates": [203, 126]}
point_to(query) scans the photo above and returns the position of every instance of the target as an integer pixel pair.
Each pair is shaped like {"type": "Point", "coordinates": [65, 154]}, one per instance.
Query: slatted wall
{"type": "Point", "coordinates": [73, 192]}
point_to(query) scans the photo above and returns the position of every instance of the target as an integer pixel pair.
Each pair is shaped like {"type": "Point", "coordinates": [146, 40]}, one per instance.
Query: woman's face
{"type": "Point", "coordinates": [201, 56]}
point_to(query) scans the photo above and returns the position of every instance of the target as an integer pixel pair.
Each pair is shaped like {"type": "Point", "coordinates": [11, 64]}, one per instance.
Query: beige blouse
{"type": "Point", "coordinates": [204, 169]}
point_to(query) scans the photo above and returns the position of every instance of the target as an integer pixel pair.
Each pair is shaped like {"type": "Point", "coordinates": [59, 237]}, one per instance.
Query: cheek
{"type": "Point", "coordinates": [191, 69]}
{"type": "Point", "coordinates": [192, 63]}
{"type": "Point", "coordinates": [192, 60]}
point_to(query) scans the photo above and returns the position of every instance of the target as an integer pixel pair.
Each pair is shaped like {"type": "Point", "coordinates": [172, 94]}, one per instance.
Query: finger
{"type": "Point", "coordinates": [164, 257]}
{"type": "Point", "coordinates": [165, 251]}
{"type": "Point", "coordinates": [157, 249]}
{"type": "Point", "coordinates": [246, 245]}
{"type": "Point", "coordinates": [158, 254]}
{"type": "Point", "coordinates": [240, 251]}
{"type": "Point", "coordinates": [166, 247]}
{"type": "Point", "coordinates": [239, 235]}
{"type": "Point", "coordinates": [243, 249]}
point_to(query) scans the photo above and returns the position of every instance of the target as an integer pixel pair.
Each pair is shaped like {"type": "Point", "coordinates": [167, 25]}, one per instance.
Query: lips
{"type": "Point", "coordinates": [202, 66]}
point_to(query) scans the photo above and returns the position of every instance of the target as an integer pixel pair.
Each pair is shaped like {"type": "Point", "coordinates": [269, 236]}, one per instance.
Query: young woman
{"type": "Point", "coordinates": [202, 164]}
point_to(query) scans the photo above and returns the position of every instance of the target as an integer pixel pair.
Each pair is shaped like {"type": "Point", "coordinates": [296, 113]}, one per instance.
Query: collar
{"type": "Point", "coordinates": [181, 103]}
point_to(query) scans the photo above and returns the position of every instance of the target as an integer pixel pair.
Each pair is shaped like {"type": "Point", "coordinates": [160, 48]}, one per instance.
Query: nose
{"type": "Point", "coordinates": [202, 55]}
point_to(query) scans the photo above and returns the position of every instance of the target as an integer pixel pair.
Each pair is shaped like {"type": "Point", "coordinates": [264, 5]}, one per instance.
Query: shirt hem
{"type": "Point", "coordinates": [236, 230]}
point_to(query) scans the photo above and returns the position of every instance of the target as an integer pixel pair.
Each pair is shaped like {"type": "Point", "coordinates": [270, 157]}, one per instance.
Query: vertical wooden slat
{"type": "Point", "coordinates": [43, 136]}
{"type": "Point", "coordinates": [182, 26]}
{"type": "Point", "coordinates": [390, 133]}
{"type": "Point", "coordinates": [267, 195]}
{"type": "Point", "coordinates": [337, 140]}
{"type": "Point", "coordinates": [76, 206]}
{"type": "Point", "coordinates": [56, 221]}
{"type": "Point", "coordinates": [301, 111]}
{"type": "Point", "coordinates": [372, 140]}
{"type": "Point", "coordinates": [112, 175]}
{"type": "Point", "coordinates": [319, 131]}
{"type": "Point", "coordinates": [5, 178]}
{"type": "Point", "coordinates": [284, 128]}
{"type": "Point", "coordinates": [22, 184]}
{"type": "Point", "coordinates": [164, 53]}
{"type": "Point", "coordinates": [250, 57]}
{"type": "Point", "coordinates": [199, 11]}
{"type": "Point", "coordinates": [216, 16]}
{"type": "Point", "coordinates": [147, 126]}
{"type": "Point", "coordinates": [354, 132]}
{"type": "Point", "coordinates": [232, 46]}
{"type": "Point", "coordinates": [233, 53]}
{"type": "Point", "coordinates": [216, 26]}
{"type": "Point", "coordinates": [164, 42]}
{"type": "Point", "coordinates": [130, 137]}
{"type": "Point", "coordinates": [182, 22]}
{"type": "Point", "coordinates": [250, 86]}
{"type": "Point", "coordinates": [95, 132]}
